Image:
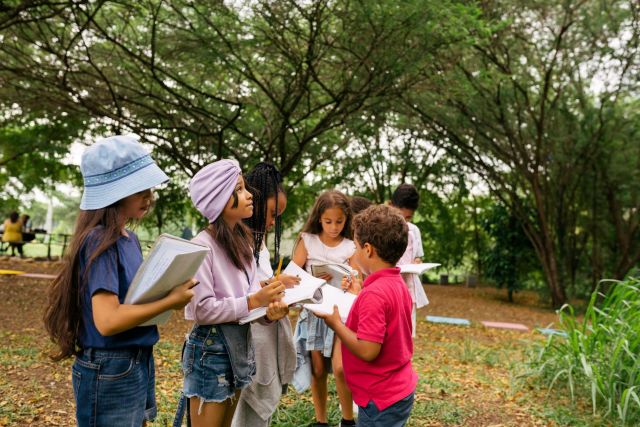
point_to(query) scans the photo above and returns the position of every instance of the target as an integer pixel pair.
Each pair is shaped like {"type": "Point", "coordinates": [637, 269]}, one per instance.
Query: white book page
{"type": "Point", "coordinates": [336, 271]}
{"type": "Point", "coordinates": [417, 268]}
{"type": "Point", "coordinates": [171, 262]}
{"type": "Point", "coordinates": [332, 296]}
{"type": "Point", "coordinates": [305, 290]}
{"type": "Point", "coordinates": [308, 290]}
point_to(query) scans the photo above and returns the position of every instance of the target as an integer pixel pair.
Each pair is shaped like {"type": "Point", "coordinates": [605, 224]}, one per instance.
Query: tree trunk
{"type": "Point", "coordinates": [550, 268]}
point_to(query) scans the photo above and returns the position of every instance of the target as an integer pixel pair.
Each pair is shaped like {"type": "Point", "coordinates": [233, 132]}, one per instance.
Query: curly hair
{"type": "Point", "coordinates": [359, 203]}
{"type": "Point", "coordinates": [383, 228]}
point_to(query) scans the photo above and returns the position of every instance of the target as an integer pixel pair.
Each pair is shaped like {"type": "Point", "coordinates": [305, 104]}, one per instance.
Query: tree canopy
{"type": "Point", "coordinates": [535, 101]}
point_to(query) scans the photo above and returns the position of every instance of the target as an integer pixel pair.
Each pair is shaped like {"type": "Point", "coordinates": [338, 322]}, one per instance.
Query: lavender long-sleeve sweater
{"type": "Point", "coordinates": [221, 296]}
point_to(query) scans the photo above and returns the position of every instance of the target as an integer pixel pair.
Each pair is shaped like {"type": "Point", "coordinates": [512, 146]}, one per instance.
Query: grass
{"type": "Point", "coordinates": [468, 376]}
{"type": "Point", "coordinates": [599, 360]}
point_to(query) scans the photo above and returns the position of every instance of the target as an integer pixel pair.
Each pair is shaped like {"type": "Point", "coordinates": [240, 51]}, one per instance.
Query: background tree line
{"type": "Point", "coordinates": [518, 120]}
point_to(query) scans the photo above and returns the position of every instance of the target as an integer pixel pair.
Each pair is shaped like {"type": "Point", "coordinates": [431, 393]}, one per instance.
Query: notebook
{"type": "Point", "coordinates": [336, 271]}
{"type": "Point", "coordinates": [171, 262]}
{"type": "Point", "coordinates": [312, 292]}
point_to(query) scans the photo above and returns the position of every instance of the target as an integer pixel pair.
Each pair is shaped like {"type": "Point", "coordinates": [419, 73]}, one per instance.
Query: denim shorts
{"type": "Point", "coordinates": [206, 366]}
{"type": "Point", "coordinates": [114, 387]}
{"type": "Point", "coordinates": [395, 415]}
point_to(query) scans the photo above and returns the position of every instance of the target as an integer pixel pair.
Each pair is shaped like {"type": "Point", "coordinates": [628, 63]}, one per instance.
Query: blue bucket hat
{"type": "Point", "coordinates": [114, 168]}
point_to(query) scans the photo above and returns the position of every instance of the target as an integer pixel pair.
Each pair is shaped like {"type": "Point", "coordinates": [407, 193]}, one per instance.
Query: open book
{"type": "Point", "coordinates": [333, 296]}
{"type": "Point", "coordinates": [336, 271]}
{"type": "Point", "coordinates": [308, 290]}
{"type": "Point", "coordinates": [311, 292]}
{"type": "Point", "coordinates": [417, 268]}
{"type": "Point", "coordinates": [171, 262]}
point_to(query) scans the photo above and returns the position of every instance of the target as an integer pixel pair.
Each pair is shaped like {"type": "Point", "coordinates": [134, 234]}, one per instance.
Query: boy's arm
{"type": "Point", "coordinates": [365, 350]}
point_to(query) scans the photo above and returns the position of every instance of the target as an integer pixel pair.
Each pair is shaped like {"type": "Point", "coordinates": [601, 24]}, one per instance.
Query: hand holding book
{"type": "Point", "coordinates": [270, 293]}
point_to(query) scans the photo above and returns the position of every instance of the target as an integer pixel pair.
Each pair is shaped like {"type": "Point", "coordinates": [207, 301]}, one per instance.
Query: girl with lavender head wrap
{"type": "Point", "coordinates": [218, 359]}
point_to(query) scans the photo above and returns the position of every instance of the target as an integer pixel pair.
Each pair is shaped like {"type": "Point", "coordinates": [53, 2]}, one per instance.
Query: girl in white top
{"type": "Point", "coordinates": [325, 238]}
{"type": "Point", "coordinates": [418, 295]}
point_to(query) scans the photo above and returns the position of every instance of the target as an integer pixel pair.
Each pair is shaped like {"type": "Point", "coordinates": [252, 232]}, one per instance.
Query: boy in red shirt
{"type": "Point", "coordinates": [376, 340]}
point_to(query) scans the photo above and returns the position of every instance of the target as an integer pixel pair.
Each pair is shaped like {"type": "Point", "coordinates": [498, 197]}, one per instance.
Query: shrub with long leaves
{"type": "Point", "coordinates": [599, 357]}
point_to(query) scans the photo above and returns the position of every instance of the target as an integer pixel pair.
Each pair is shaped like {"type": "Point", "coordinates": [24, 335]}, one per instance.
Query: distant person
{"type": "Point", "coordinates": [13, 233]}
{"type": "Point", "coordinates": [359, 203]}
{"type": "Point", "coordinates": [28, 234]}
{"type": "Point", "coordinates": [406, 199]}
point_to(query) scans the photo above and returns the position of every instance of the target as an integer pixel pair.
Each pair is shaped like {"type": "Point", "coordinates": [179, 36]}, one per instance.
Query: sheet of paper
{"type": "Point", "coordinates": [332, 296]}
{"type": "Point", "coordinates": [307, 290]}
{"type": "Point", "coordinates": [417, 268]}
{"type": "Point", "coordinates": [307, 287]}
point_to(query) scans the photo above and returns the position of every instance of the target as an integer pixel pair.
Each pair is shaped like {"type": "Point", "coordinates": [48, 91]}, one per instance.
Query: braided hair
{"type": "Point", "coordinates": [264, 182]}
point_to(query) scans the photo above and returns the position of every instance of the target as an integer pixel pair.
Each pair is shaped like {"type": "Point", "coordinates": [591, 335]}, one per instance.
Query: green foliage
{"type": "Point", "coordinates": [444, 224]}
{"type": "Point", "coordinates": [359, 96]}
{"type": "Point", "coordinates": [520, 109]}
{"type": "Point", "coordinates": [32, 150]}
{"type": "Point", "coordinates": [508, 258]}
{"type": "Point", "coordinates": [599, 359]}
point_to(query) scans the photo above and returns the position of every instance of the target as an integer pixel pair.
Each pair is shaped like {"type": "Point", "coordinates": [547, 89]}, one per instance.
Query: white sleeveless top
{"type": "Point", "coordinates": [319, 253]}
{"type": "Point", "coordinates": [264, 270]}
{"type": "Point", "coordinates": [418, 295]}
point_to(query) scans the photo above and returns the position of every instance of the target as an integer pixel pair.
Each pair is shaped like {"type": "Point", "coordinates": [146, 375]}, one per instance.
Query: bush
{"type": "Point", "coordinates": [599, 358]}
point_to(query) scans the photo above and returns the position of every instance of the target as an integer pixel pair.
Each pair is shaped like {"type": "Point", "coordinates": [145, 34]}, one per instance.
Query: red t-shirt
{"type": "Point", "coordinates": [382, 314]}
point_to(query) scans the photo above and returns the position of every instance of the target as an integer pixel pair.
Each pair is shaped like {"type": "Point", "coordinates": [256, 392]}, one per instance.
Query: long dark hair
{"type": "Point", "coordinates": [63, 315]}
{"type": "Point", "coordinates": [327, 200]}
{"type": "Point", "coordinates": [264, 182]}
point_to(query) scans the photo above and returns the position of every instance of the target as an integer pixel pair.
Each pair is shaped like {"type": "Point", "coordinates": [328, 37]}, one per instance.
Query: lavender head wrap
{"type": "Point", "coordinates": [212, 187]}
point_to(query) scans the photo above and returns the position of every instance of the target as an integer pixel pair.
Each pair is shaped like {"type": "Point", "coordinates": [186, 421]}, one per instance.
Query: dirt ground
{"type": "Point", "coordinates": [459, 367]}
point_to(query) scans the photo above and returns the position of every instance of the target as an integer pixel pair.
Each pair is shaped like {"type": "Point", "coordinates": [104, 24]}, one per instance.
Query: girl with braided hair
{"type": "Point", "coordinates": [275, 355]}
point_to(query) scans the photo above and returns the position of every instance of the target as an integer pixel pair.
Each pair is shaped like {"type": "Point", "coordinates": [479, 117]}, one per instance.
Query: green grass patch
{"type": "Point", "coordinates": [441, 411]}
{"type": "Point", "coordinates": [599, 359]}
{"type": "Point", "coordinates": [18, 351]}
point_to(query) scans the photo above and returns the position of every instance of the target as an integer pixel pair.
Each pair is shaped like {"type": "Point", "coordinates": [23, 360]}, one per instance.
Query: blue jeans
{"type": "Point", "coordinates": [114, 387]}
{"type": "Point", "coordinates": [395, 415]}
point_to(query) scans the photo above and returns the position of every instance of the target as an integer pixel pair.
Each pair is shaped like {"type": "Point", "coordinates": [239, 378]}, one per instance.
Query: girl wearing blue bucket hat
{"type": "Point", "coordinates": [113, 373]}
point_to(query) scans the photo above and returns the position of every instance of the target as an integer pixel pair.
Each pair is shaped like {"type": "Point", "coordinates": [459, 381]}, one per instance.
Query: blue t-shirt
{"type": "Point", "coordinates": [113, 272]}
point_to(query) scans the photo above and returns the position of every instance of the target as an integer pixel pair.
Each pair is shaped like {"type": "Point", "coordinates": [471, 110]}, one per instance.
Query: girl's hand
{"type": "Point", "coordinates": [181, 295]}
{"type": "Point", "coordinates": [325, 276]}
{"type": "Point", "coordinates": [277, 310]}
{"type": "Point", "coordinates": [272, 292]}
{"type": "Point", "coordinates": [287, 280]}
